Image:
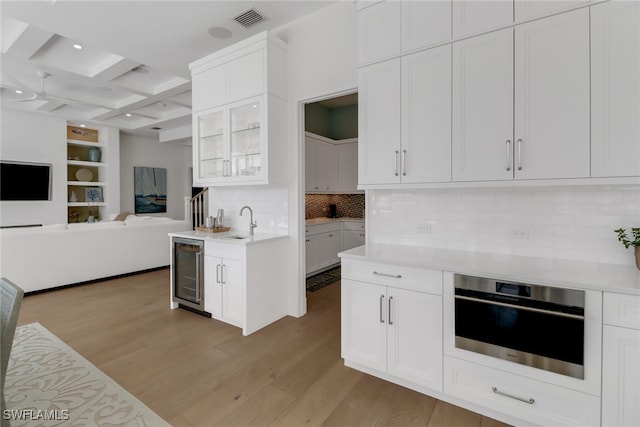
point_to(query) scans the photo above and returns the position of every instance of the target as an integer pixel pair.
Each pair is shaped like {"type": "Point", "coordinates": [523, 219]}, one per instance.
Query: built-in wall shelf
{"type": "Point", "coordinates": [86, 184]}
{"type": "Point", "coordinates": [85, 204]}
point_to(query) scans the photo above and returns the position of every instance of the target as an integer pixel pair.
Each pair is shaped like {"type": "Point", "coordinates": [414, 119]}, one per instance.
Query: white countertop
{"type": "Point", "coordinates": [562, 273]}
{"type": "Point", "coordinates": [225, 237]}
{"type": "Point", "coordinates": [325, 219]}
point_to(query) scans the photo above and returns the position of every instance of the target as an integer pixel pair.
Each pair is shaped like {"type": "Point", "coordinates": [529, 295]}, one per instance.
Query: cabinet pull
{"type": "Point", "coordinates": [397, 162]}
{"type": "Point", "coordinates": [308, 240]}
{"type": "Point", "coordinates": [222, 274]}
{"type": "Point", "coordinates": [390, 321]}
{"type": "Point", "coordinates": [404, 162]}
{"type": "Point", "coordinates": [393, 276]}
{"type": "Point", "coordinates": [508, 155]}
{"type": "Point", "coordinates": [330, 235]}
{"type": "Point", "coordinates": [529, 401]}
{"type": "Point", "coordinates": [519, 154]}
{"type": "Point", "coordinates": [381, 309]}
{"type": "Point", "coordinates": [218, 273]}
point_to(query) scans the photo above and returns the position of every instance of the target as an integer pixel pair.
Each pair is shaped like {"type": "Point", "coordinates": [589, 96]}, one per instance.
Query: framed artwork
{"type": "Point", "coordinates": [150, 192]}
{"type": "Point", "coordinates": [93, 194]}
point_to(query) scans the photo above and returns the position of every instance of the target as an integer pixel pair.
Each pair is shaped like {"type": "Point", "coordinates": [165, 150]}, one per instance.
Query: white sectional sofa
{"type": "Point", "coordinates": [38, 258]}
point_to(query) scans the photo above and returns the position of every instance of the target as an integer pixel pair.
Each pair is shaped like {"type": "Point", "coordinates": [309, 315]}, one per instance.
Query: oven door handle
{"type": "Point", "coordinates": [520, 307]}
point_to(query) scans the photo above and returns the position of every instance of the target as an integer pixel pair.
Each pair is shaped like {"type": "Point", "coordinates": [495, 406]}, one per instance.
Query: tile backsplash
{"type": "Point", "coordinates": [270, 207]}
{"type": "Point", "coordinates": [572, 222]}
{"type": "Point", "coordinates": [348, 205]}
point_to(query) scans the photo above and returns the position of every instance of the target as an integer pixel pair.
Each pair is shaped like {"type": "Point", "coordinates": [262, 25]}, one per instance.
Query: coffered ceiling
{"type": "Point", "coordinates": [120, 63]}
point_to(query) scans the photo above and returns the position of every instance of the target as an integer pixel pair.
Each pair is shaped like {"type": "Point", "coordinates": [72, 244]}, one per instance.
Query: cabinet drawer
{"type": "Point", "coordinates": [224, 250]}
{"type": "Point", "coordinates": [510, 394]}
{"type": "Point", "coordinates": [621, 310]}
{"type": "Point", "coordinates": [322, 228]}
{"type": "Point", "coordinates": [353, 225]}
{"type": "Point", "coordinates": [416, 279]}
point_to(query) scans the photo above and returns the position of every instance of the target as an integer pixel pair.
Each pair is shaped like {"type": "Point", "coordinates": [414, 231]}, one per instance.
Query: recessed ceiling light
{"type": "Point", "coordinates": [18, 91]}
{"type": "Point", "coordinates": [83, 126]}
{"type": "Point", "coordinates": [219, 32]}
{"type": "Point", "coordinates": [128, 114]}
{"type": "Point", "coordinates": [77, 46]}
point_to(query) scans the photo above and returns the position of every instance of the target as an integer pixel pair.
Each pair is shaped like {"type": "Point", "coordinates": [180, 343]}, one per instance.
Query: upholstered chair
{"type": "Point", "coordinates": [10, 301]}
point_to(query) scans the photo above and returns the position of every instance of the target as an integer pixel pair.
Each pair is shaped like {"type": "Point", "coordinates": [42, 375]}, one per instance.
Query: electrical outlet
{"type": "Point", "coordinates": [424, 228]}
{"type": "Point", "coordinates": [521, 233]}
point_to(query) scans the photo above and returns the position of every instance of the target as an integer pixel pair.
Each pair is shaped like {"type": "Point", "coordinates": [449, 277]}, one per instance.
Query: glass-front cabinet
{"type": "Point", "coordinates": [231, 143]}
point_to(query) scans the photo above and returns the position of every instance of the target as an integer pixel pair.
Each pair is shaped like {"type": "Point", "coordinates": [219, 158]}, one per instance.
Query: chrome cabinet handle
{"type": "Point", "coordinates": [508, 155]}
{"type": "Point", "coordinates": [520, 307]}
{"type": "Point", "coordinates": [222, 274]}
{"type": "Point", "coordinates": [519, 154]}
{"type": "Point", "coordinates": [218, 273]}
{"type": "Point", "coordinates": [308, 240]}
{"type": "Point", "coordinates": [381, 309]}
{"type": "Point", "coordinates": [397, 162]}
{"type": "Point", "coordinates": [530, 400]}
{"type": "Point", "coordinates": [390, 321]}
{"type": "Point", "coordinates": [404, 162]}
{"type": "Point", "coordinates": [393, 276]}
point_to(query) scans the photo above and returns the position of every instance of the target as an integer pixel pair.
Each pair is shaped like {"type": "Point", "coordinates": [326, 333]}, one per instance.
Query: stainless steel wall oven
{"type": "Point", "coordinates": [187, 273]}
{"type": "Point", "coordinates": [539, 326]}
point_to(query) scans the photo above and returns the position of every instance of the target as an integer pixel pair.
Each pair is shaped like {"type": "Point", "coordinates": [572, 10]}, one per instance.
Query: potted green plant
{"type": "Point", "coordinates": [634, 241]}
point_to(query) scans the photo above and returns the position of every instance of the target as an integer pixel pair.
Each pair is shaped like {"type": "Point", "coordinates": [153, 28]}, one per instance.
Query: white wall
{"type": "Point", "coordinates": [30, 137]}
{"type": "Point", "coordinates": [322, 55]}
{"type": "Point", "coordinates": [140, 151]}
{"type": "Point", "coordinates": [574, 223]}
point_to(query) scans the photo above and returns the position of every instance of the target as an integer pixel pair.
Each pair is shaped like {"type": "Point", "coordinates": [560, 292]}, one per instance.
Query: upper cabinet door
{"type": "Point", "coordinates": [552, 97]}
{"type": "Point", "coordinates": [379, 123]}
{"type": "Point", "coordinates": [426, 118]}
{"type": "Point", "coordinates": [208, 88]}
{"type": "Point", "coordinates": [474, 17]}
{"type": "Point", "coordinates": [530, 9]}
{"type": "Point", "coordinates": [482, 140]}
{"type": "Point", "coordinates": [425, 23]}
{"type": "Point", "coordinates": [379, 32]}
{"type": "Point", "coordinates": [246, 76]}
{"type": "Point", "coordinates": [615, 89]}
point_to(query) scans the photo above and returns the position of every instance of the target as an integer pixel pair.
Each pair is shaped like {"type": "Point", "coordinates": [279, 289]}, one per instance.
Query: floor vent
{"type": "Point", "coordinates": [249, 18]}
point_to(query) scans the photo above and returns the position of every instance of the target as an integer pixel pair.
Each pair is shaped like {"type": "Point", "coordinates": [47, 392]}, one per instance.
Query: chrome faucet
{"type": "Point", "coordinates": [252, 224]}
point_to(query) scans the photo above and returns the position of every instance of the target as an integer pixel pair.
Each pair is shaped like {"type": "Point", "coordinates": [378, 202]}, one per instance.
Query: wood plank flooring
{"type": "Point", "coordinates": [194, 371]}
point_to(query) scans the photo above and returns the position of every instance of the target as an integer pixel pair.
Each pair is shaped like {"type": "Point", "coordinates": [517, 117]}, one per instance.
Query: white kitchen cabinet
{"type": "Point", "coordinates": [321, 165]}
{"type": "Point", "coordinates": [242, 282]}
{"type": "Point", "coordinates": [353, 234]}
{"type": "Point", "coordinates": [545, 134]}
{"type": "Point", "coordinates": [615, 89]}
{"type": "Point", "coordinates": [323, 242]}
{"type": "Point", "coordinates": [224, 288]}
{"type": "Point", "coordinates": [379, 123]}
{"type": "Point", "coordinates": [388, 28]}
{"type": "Point", "coordinates": [621, 360]}
{"type": "Point", "coordinates": [408, 141]}
{"type": "Point", "coordinates": [392, 330]}
{"type": "Point", "coordinates": [472, 17]}
{"type": "Point", "coordinates": [239, 106]}
{"type": "Point", "coordinates": [426, 116]}
{"type": "Point", "coordinates": [348, 167]}
{"type": "Point", "coordinates": [531, 9]}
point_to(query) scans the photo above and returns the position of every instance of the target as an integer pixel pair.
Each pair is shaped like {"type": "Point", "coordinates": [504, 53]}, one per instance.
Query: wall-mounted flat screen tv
{"type": "Point", "coordinates": [22, 181]}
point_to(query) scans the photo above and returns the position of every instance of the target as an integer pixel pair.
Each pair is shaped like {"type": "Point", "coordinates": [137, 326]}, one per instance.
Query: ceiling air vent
{"type": "Point", "coordinates": [249, 18]}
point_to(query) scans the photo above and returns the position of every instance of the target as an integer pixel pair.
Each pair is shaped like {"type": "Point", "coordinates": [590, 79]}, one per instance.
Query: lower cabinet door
{"type": "Point", "coordinates": [212, 301]}
{"type": "Point", "coordinates": [364, 327]}
{"type": "Point", "coordinates": [231, 273]}
{"type": "Point", "coordinates": [415, 337]}
{"type": "Point", "coordinates": [620, 376]}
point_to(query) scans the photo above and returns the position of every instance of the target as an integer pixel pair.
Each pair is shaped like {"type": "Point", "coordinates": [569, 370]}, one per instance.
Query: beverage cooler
{"type": "Point", "coordinates": [187, 273]}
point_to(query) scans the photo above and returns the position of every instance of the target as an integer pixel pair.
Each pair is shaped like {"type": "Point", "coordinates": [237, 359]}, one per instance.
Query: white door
{"type": "Point", "coordinates": [379, 31]}
{"type": "Point", "coordinates": [379, 123]}
{"type": "Point", "coordinates": [326, 166]}
{"type": "Point", "coordinates": [313, 249]}
{"type": "Point", "coordinates": [425, 23]}
{"type": "Point", "coordinates": [482, 140]}
{"type": "Point", "coordinates": [415, 337]}
{"type": "Point", "coordinates": [310, 165]}
{"type": "Point", "coordinates": [210, 150]}
{"type": "Point", "coordinates": [615, 89]}
{"type": "Point", "coordinates": [620, 376]}
{"type": "Point", "coordinates": [552, 97]}
{"type": "Point", "coordinates": [364, 328]}
{"type": "Point", "coordinates": [212, 300]}
{"type": "Point", "coordinates": [246, 76]}
{"type": "Point", "coordinates": [209, 88]}
{"type": "Point", "coordinates": [348, 167]}
{"type": "Point", "coordinates": [333, 245]}
{"type": "Point", "coordinates": [426, 118]}
{"type": "Point", "coordinates": [232, 285]}
{"type": "Point", "coordinates": [472, 17]}
{"type": "Point", "coordinates": [352, 239]}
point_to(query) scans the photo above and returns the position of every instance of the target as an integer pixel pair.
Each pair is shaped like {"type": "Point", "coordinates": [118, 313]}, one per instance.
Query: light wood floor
{"type": "Point", "coordinates": [195, 371]}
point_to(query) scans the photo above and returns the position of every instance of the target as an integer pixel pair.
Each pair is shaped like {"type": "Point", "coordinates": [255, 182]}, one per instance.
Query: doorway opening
{"type": "Point", "coordinates": [330, 177]}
